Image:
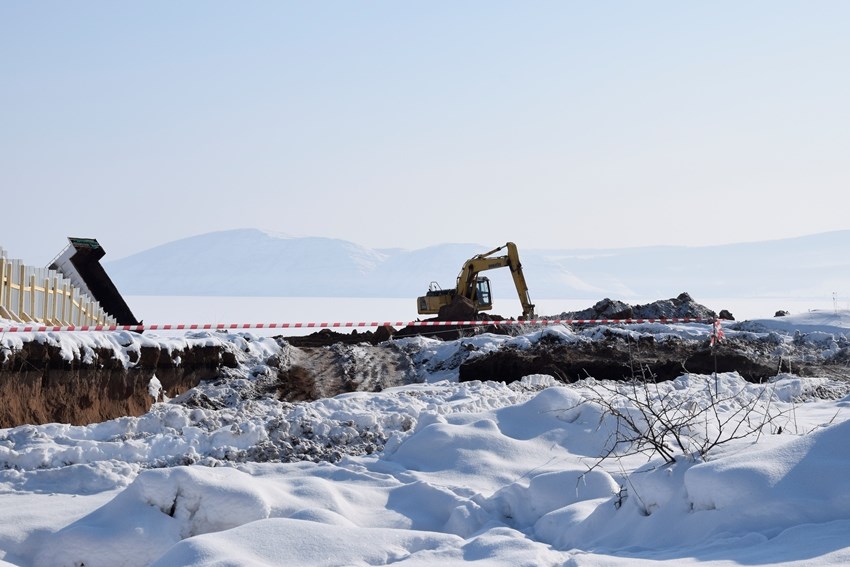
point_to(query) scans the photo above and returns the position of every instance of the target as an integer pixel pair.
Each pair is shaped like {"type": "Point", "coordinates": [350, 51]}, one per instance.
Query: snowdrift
{"type": "Point", "coordinates": [435, 472]}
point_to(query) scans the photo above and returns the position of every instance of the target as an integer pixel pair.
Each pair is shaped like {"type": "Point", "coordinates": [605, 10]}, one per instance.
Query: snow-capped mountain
{"type": "Point", "coordinates": [251, 262]}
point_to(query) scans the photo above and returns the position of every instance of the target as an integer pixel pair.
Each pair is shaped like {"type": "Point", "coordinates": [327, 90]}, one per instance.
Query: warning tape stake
{"type": "Point", "coordinates": [335, 325]}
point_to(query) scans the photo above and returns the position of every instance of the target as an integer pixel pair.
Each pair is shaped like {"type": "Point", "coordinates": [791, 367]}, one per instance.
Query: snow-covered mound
{"type": "Point", "coordinates": [835, 322]}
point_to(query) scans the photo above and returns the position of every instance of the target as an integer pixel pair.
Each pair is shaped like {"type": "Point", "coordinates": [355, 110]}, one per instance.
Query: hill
{"type": "Point", "coordinates": [250, 262]}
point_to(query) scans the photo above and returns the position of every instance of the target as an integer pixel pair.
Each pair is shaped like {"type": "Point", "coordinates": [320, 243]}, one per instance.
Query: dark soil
{"type": "Point", "coordinates": [37, 385]}
{"type": "Point", "coordinates": [616, 358]}
{"type": "Point", "coordinates": [327, 337]}
{"type": "Point", "coordinates": [682, 306]}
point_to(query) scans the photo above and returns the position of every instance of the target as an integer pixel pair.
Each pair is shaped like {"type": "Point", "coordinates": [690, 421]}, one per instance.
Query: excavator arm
{"type": "Point", "coordinates": [468, 277]}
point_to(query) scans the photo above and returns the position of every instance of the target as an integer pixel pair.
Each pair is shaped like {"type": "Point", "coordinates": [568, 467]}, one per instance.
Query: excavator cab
{"type": "Point", "coordinates": [483, 298]}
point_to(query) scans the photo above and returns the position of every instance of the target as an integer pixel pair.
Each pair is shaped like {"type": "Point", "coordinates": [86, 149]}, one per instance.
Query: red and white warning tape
{"type": "Point", "coordinates": [333, 325]}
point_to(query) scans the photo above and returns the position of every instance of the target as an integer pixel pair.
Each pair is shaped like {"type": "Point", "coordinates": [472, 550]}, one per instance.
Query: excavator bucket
{"type": "Point", "coordinates": [460, 309]}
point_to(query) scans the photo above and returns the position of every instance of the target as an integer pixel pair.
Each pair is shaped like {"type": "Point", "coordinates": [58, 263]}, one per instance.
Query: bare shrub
{"type": "Point", "coordinates": [669, 422]}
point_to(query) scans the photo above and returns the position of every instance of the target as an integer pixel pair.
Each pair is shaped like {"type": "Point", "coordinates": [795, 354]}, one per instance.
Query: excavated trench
{"type": "Point", "coordinates": [38, 385]}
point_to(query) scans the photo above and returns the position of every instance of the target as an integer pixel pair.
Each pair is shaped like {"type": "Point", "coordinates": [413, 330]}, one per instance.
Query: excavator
{"type": "Point", "coordinates": [472, 294]}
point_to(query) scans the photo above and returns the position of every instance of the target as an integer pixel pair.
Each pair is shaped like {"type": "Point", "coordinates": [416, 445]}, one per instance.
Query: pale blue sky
{"type": "Point", "coordinates": [552, 124]}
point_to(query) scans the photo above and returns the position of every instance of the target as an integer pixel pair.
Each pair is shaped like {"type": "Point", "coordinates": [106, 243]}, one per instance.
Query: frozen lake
{"type": "Point", "coordinates": [227, 309]}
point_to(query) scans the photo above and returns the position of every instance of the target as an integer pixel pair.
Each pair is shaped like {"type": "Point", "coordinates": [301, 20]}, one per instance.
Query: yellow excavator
{"type": "Point", "coordinates": [472, 292]}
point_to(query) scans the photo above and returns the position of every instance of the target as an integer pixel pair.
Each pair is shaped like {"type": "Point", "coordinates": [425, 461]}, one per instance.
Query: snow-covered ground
{"type": "Point", "coordinates": [446, 472]}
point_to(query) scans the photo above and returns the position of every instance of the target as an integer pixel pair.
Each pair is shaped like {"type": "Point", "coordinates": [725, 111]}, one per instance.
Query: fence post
{"type": "Point", "coordinates": [79, 305]}
{"type": "Point", "coordinates": [22, 289]}
{"type": "Point", "coordinates": [47, 311]}
{"type": "Point", "coordinates": [4, 287]}
{"type": "Point", "coordinates": [71, 305]}
{"type": "Point", "coordinates": [7, 300]}
{"type": "Point", "coordinates": [9, 286]}
{"type": "Point", "coordinates": [21, 277]}
{"type": "Point", "coordinates": [33, 292]}
{"type": "Point", "coordinates": [66, 303]}
{"type": "Point", "coordinates": [2, 282]}
{"type": "Point", "coordinates": [46, 303]}
{"type": "Point", "coordinates": [55, 317]}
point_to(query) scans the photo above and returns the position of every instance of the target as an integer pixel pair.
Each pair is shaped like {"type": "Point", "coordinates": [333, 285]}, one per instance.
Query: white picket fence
{"type": "Point", "coordinates": [39, 295]}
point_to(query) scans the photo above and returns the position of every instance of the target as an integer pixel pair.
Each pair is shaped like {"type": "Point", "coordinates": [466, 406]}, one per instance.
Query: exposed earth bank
{"type": "Point", "coordinates": [41, 382]}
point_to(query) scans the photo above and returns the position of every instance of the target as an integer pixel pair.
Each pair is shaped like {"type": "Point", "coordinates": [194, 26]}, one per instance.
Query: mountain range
{"type": "Point", "coordinates": [252, 262]}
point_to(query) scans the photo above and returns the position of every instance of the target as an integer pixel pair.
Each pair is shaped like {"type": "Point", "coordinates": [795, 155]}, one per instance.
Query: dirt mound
{"type": "Point", "coordinates": [681, 307]}
{"type": "Point", "coordinates": [327, 337]}
{"type": "Point", "coordinates": [618, 357]}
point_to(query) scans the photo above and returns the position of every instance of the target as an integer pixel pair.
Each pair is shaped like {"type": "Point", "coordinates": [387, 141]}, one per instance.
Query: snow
{"type": "Point", "coordinates": [439, 471]}
{"type": "Point", "coordinates": [831, 322]}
